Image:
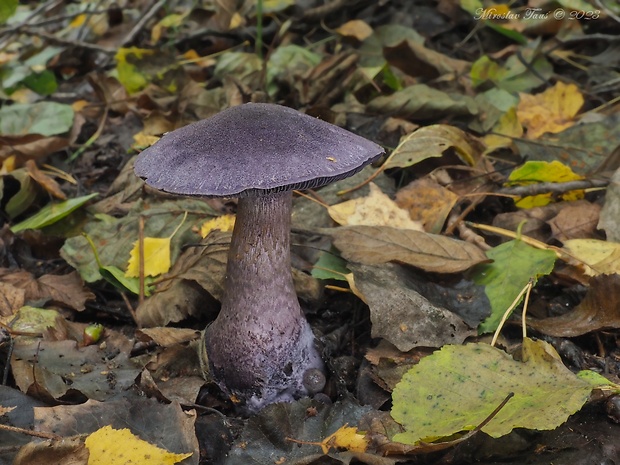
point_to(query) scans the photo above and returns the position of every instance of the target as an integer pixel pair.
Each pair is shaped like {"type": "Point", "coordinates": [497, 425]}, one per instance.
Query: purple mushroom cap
{"type": "Point", "coordinates": [253, 147]}
{"type": "Point", "coordinates": [260, 349]}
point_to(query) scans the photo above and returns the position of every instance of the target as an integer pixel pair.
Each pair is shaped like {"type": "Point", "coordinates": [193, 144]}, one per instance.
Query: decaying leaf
{"type": "Point", "coordinates": [600, 309]}
{"type": "Point", "coordinates": [430, 252]}
{"type": "Point", "coordinates": [456, 388]}
{"type": "Point", "coordinates": [376, 209]}
{"type": "Point", "coordinates": [401, 314]}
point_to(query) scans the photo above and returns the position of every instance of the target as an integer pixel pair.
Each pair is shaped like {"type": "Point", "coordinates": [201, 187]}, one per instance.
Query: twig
{"type": "Point", "coordinates": [69, 43]}
{"type": "Point", "coordinates": [153, 10]}
{"type": "Point", "coordinates": [553, 187]}
{"type": "Point", "coordinates": [29, 432]}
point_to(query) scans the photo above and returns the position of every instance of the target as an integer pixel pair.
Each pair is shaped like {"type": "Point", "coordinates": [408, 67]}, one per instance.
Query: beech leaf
{"type": "Point", "coordinates": [457, 387]}
{"type": "Point", "coordinates": [372, 245]}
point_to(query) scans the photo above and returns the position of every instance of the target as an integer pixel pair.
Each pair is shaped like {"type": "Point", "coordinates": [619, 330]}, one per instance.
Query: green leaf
{"type": "Point", "coordinates": [514, 264]}
{"type": "Point", "coordinates": [7, 9]}
{"type": "Point", "coordinates": [330, 266]}
{"type": "Point", "coordinates": [456, 388]}
{"type": "Point", "coordinates": [44, 118]}
{"type": "Point", "coordinates": [43, 83]}
{"type": "Point", "coordinates": [51, 213]}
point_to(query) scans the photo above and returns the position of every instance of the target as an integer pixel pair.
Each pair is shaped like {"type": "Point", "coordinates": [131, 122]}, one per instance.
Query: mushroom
{"type": "Point", "coordinates": [260, 348]}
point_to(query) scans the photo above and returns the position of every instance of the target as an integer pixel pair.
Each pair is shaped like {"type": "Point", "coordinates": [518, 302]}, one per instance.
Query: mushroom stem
{"type": "Point", "coordinates": [260, 345]}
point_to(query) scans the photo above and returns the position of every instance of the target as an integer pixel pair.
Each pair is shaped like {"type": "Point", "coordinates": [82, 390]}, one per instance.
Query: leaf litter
{"type": "Point", "coordinates": [460, 126]}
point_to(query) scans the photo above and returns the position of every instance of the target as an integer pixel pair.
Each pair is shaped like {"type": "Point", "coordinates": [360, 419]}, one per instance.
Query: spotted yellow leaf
{"type": "Point", "coordinates": [109, 446]}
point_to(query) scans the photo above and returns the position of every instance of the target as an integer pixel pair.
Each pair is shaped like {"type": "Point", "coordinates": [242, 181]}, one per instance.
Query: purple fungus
{"type": "Point", "coordinates": [260, 348]}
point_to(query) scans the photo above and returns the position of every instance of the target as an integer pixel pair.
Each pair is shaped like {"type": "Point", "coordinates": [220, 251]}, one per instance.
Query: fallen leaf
{"type": "Point", "coordinates": [222, 223]}
{"type": "Point", "coordinates": [431, 142]}
{"type": "Point", "coordinates": [48, 183]}
{"type": "Point", "coordinates": [610, 214]}
{"type": "Point", "coordinates": [156, 255]}
{"type": "Point", "coordinates": [346, 437]}
{"type": "Point", "coordinates": [108, 446]}
{"type": "Point", "coordinates": [427, 202]}
{"type": "Point", "coordinates": [514, 264]}
{"type": "Point", "coordinates": [599, 257]}
{"type": "Point", "coordinates": [68, 451]}
{"type": "Point", "coordinates": [457, 387]}
{"type": "Point", "coordinates": [376, 209]}
{"type": "Point", "coordinates": [356, 28]}
{"type": "Point", "coordinates": [421, 102]}
{"type": "Point", "coordinates": [382, 244]}
{"type": "Point", "coordinates": [401, 312]}
{"type": "Point", "coordinates": [575, 221]}
{"type": "Point", "coordinates": [600, 309]}
{"type": "Point", "coordinates": [553, 110]}
{"type": "Point", "coordinates": [532, 172]}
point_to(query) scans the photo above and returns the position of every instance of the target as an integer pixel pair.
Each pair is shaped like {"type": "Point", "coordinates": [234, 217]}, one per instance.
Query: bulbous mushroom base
{"type": "Point", "coordinates": [257, 377]}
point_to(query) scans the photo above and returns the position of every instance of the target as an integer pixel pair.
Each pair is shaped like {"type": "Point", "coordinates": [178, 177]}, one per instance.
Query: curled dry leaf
{"type": "Point", "coordinates": [372, 245]}
{"type": "Point", "coordinates": [600, 309]}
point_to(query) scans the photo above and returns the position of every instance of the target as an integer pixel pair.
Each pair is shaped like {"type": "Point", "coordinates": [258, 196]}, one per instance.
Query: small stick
{"type": "Point", "coordinates": [29, 432]}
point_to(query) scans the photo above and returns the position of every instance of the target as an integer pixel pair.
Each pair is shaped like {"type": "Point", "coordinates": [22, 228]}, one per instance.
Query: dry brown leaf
{"type": "Point", "coordinates": [11, 299]}
{"type": "Point", "coordinates": [427, 202]}
{"type": "Point", "coordinates": [577, 220]}
{"type": "Point", "coordinates": [600, 309]}
{"type": "Point", "coordinates": [376, 209]}
{"type": "Point", "coordinates": [69, 451]}
{"type": "Point", "coordinates": [48, 183]}
{"type": "Point", "coordinates": [430, 252]}
{"type": "Point", "coordinates": [67, 290]}
{"type": "Point", "coordinates": [165, 337]}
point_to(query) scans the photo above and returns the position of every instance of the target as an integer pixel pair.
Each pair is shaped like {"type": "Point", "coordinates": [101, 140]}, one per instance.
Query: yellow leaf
{"type": "Point", "coordinates": [533, 172]}
{"type": "Point", "coordinates": [346, 437]}
{"type": "Point", "coordinates": [131, 69]}
{"type": "Point", "coordinates": [600, 257]}
{"type": "Point", "coordinates": [376, 209]}
{"type": "Point", "coordinates": [506, 128]}
{"type": "Point", "coordinates": [109, 446]}
{"type": "Point", "coordinates": [142, 140]}
{"type": "Point", "coordinates": [223, 223]}
{"type": "Point", "coordinates": [156, 257]}
{"type": "Point", "coordinates": [552, 111]}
